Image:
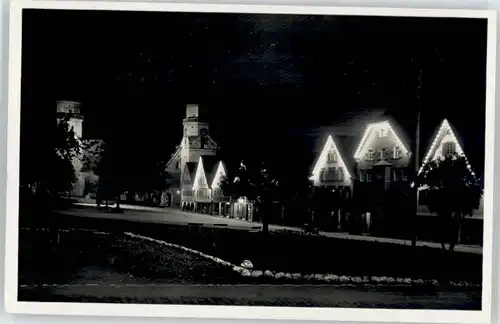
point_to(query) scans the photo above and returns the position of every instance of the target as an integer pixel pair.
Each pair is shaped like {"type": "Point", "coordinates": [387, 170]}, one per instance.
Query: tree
{"type": "Point", "coordinates": [452, 192]}
{"type": "Point", "coordinates": [257, 184]}
{"type": "Point", "coordinates": [46, 165]}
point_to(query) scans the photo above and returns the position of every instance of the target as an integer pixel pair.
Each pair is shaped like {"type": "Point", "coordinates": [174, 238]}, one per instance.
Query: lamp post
{"type": "Point", "coordinates": [416, 159]}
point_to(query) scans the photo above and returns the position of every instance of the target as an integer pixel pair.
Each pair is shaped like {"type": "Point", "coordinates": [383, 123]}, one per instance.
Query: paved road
{"type": "Point", "coordinates": [178, 217]}
{"type": "Point", "coordinates": [161, 215]}
{"type": "Point", "coordinates": [264, 295]}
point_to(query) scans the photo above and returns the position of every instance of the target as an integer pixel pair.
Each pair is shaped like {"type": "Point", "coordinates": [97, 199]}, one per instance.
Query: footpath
{"type": "Point", "coordinates": [175, 216]}
{"type": "Point", "coordinates": [258, 295]}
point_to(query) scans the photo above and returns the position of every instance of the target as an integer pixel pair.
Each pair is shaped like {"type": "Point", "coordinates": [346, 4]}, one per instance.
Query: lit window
{"type": "Point", "coordinates": [370, 155]}
{"type": "Point", "coordinates": [396, 174]}
{"type": "Point", "coordinates": [332, 157]}
{"type": "Point", "coordinates": [341, 174]}
{"type": "Point", "coordinates": [449, 148]}
{"type": "Point", "coordinates": [322, 175]}
{"type": "Point", "coordinates": [331, 174]}
{"type": "Point", "coordinates": [383, 154]}
{"type": "Point", "coordinates": [396, 154]}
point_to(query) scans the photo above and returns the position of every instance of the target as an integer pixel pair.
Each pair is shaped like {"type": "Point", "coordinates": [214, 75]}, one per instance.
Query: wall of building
{"type": "Point", "coordinates": [446, 138]}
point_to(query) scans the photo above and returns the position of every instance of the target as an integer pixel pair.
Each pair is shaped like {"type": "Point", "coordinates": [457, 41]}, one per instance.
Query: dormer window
{"type": "Point", "coordinates": [396, 153]}
{"type": "Point", "coordinates": [332, 157]}
{"type": "Point", "coordinates": [449, 148]}
{"type": "Point", "coordinates": [370, 155]}
{"type": "Point", "coordinates": [382, 132]}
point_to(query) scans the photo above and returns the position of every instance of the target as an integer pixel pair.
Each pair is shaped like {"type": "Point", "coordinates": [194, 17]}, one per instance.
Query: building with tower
{"type": "Point", "coordinates": [194, 170]}
{"type": "Point", "coordinates": [85, 177]}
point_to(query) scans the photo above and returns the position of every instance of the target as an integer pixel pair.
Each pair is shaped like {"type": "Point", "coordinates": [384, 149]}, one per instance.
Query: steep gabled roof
{"type": "Point", "coordinates": [394, 127]}
{"type": "Point", "coordinates": [441, 131]}
{"type": "Point", "coordinates": [219, 173]}
{"type": "Point", "coordinates": [331, 142]}
{"type": "Point", "coordinates": [200, 172]}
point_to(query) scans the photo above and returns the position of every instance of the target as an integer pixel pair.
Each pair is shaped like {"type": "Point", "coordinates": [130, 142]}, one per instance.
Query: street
{"type": "Point", "coordinates": [268, 295]}
{"type": "Point", "coordinates": [178, 217]}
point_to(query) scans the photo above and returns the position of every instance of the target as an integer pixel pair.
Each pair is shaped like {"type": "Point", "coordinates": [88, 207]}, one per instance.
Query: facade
{"type": "Point", "coordinates": [85, 178]}
{"type": "Point", "coordinates": [382, 193]}
{"type": "Point", "coordinates": [444, 142]}
{"type": "Point", "coordinates": [332, 178]}
{"type": "Point", "coordinates": [330, 169]}
{"type": "Point", "coordinates": [381, 156]}
{"type": "Point", "coordinates": [194, 170]}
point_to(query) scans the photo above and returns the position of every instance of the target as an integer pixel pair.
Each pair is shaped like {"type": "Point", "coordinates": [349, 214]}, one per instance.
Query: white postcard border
{"type": "Point", "coordinates": [237, 312]}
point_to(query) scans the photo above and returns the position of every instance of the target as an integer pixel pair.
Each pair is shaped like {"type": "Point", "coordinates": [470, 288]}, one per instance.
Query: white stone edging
{"type": "Point", "coordinates": [249, 273]}
{"type": "Point", "coordinates": [329, 278]}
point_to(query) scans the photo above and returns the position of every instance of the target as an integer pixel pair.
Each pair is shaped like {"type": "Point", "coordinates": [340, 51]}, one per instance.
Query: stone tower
{"type": "Point", "coordinates": [196, 140]}
{"type": "Point", "coordinates": [72, 109]}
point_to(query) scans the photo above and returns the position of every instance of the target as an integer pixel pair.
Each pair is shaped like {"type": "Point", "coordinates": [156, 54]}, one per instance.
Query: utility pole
{"type": "Point", "coordinates": [417, 155]}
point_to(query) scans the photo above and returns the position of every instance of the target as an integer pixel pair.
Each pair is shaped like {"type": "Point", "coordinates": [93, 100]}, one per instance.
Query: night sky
{"type": "Point", "coordinates": [267, 83]}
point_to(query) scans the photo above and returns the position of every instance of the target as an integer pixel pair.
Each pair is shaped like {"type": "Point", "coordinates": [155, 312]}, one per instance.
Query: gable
{"type": "Point", "coordinates": [186, 176]}
{"type": "Point", "coordinates": [371, 135]}
{"type": "Point", "coordinates": [219, 175]}
{"type": "Point", "coordinates": [445, 134]}
{"type": "Point", "coordinates": [200, 179]}
{"type": "Point", "coordinates": [322, 161]}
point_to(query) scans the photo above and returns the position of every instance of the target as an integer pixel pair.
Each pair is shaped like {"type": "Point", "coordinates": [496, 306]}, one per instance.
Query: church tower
{"type": "Point", "coordinates": [196, 140]}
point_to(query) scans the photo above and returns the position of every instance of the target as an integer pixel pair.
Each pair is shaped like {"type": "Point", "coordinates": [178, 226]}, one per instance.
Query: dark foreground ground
{"type": "Point", "coordinates": [80, 266]}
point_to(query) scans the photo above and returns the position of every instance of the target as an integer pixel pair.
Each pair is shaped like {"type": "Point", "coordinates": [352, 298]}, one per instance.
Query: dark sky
{"type": "Point", "coordinates": [259, 78]}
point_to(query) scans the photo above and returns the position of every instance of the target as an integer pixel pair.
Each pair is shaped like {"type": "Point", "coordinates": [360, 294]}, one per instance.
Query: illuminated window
{"type": "Point", "coordinates": [383, 154]}
{"type": "Point", "coordinates": [332, 157]}
{"type": "Point", "coordinates": [370, 155]}
{"type": "Point", "coordinates": [341, 174]}
{"type": "Point", "coordinates": [396, 153]}
{"type": "Point", "coordinates": [330, 174]}
{"type": "Point", "coordinates": [396, 174]}
{"type": "Point", "coordinates": [449, 148]}
{"type": "Point", "coordinates": [322, 175]}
